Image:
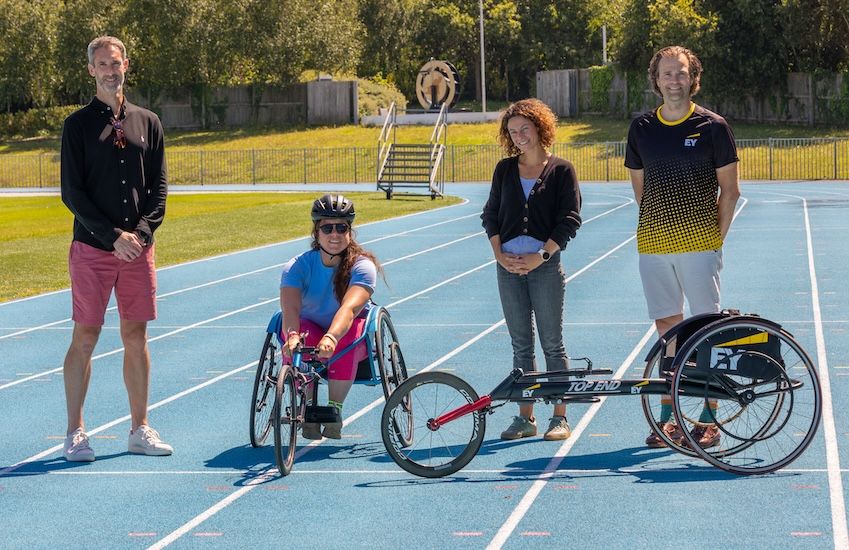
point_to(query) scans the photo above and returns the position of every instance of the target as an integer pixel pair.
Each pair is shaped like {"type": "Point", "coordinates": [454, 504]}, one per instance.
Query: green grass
{"type": "Point", "coordinates": [35, 232]}
{"type": "Point", "coordinates": [583, 129]}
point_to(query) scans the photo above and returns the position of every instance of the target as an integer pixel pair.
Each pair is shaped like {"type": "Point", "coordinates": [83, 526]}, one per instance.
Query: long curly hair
{"type": "Point", "coordinates": [349, 256]}
{"type": "Point", "coordinates": [537, 112]}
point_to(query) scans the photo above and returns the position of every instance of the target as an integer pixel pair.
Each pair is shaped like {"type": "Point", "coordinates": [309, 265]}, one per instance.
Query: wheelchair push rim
{"type": "Point", "coordinates": [262, 398]}
{"type": "Point", "coordinates": [286, 418]}
{"type": "Point", "coordinates": [393, 372]}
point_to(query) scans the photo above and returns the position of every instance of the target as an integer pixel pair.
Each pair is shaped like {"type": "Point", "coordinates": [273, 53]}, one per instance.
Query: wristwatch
{"type": "Point", "coordinates": [544, 254]}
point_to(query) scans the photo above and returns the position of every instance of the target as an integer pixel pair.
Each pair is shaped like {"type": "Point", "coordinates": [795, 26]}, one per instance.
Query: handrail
{"type": "Point", "coordinates": [437, 149]}
{"type": "Point", "coordinates": [434, 167]}
{"type": "Point", "coordinates": [441, 121]}
{"type": "Point", "coordinates": [383, 145]}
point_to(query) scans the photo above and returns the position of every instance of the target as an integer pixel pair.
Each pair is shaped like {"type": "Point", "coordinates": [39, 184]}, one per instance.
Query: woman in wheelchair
{"type": "Point", "coordinates": [324, 293]}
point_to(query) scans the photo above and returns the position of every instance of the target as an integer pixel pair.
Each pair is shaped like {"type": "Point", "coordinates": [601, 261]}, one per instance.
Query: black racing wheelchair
{"type": "Point", "coordinates": [758, 385]}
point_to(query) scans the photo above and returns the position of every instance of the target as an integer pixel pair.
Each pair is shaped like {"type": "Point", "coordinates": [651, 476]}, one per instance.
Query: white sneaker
{"type": "Point", "coordinates": [146, 441]}
{"type": "Point", "coordinates": [77, 448]}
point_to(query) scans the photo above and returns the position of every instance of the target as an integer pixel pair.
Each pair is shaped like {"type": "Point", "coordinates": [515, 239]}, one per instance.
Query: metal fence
{"type": "Point", "coordinates": [760, 159]}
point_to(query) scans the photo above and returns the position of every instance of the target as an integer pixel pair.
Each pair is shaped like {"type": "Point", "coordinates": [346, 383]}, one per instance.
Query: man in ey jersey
{"type": "Point", "coordinates": [683, 164]}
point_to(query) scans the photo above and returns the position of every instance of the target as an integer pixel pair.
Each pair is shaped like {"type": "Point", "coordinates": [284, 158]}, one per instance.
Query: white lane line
{"type": "Point", "coordinates": [527, 500]}
{"type": "Point", "coordinates": [7, 470]}
{"type": "Point", "coordinates": [239, 275]}
{"type": "Point", "coordinates": [264, 246]}
{"type": "Point", "coordinates": [22, 380]}
{"type": "Point", "coordinates": [514, 474]}
{"type": "Point", "coordinates": [118, 350]}
{"type": "Point", "coordinates": [153, 339]}
{"type": "Point", "coordinates": [269, 473]}
{"type": "Point", "coordinates": [835, 480]}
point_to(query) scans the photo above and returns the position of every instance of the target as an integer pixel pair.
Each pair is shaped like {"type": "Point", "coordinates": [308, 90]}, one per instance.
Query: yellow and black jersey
{"type": "Point", "coordinates": [678, 210]}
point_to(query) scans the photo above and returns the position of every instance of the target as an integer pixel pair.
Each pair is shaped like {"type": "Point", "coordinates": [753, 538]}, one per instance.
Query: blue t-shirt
{"type": "Point", "coordinates": [523, 244]}
{"type": "Point", "coordinates": [307, 273]}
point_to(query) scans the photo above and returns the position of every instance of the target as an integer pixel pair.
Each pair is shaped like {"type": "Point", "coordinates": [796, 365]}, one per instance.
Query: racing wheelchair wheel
{"type": "Point", "coordinates": [390, 361]}
{"type": "Point", "coordinates": [393, 372]}
{"type": "Point", "coordinates": [285, 420]}
{"type": "Point", "coordinates": [765, 387]}
{"type": "Point", "coordinates": [432, 452]}
{"type": "Point", "coordinates": [265, 382]}
{"type": "Point", "coordinates": [651, 403]}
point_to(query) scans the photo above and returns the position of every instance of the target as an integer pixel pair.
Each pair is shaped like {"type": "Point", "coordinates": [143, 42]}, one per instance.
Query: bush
{"type": "Point", "coordinates": [377, 93]}
{"type": "Point", "coordinates": [35, 122]}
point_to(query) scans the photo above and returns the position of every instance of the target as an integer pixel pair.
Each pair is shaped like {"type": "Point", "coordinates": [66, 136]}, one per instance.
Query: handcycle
{"type": "Point", "coordinates": [285, 393]}
{"type": "Point", "coordinates": [748, 374]}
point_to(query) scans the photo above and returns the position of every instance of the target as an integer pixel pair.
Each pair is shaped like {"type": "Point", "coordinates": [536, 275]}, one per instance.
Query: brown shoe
{"type": "Point", "coordinates": [707, 435]}
{"type": "Point", "coordinates": [672, 431]}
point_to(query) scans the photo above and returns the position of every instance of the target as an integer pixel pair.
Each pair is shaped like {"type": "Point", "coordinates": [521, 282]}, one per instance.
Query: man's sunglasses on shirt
{"type": "Point", "coordinates": [119, 140]}
{"type": "Point", "coordinates": [340, 228]}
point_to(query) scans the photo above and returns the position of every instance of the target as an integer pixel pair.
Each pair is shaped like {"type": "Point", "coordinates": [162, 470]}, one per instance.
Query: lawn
{"type": "Point", "coordinates": [35, 231]}
{"type": "Point", "coordinates": [569, 131]}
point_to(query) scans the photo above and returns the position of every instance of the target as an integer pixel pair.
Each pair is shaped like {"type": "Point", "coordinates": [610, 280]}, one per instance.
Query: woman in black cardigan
{"type": "Point", "coordinates": [533, 210]}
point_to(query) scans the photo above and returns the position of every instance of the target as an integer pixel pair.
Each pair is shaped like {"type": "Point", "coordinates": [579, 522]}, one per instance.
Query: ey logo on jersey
{"type": "Point", "coordinates": [690, 141]}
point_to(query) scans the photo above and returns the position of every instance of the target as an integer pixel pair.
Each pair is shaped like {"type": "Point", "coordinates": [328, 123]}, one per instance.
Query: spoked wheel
{"type": "Point", "coordinates": [285, 420]}
{"type": "Point", "coordinates": [651, 403]}
{"type": "Point", "coordinates": [766, 388]}
{"type": "Point", "coordinates": [262, 400]}
{"type": "Point", "coordinates": [432, 452]}
{"type": "Point", "coordinates": [393, 372]}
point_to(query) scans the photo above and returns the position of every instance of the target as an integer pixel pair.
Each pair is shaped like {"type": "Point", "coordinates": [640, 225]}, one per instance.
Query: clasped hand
{"type": "Point", "coordinates": [520, 264]}
{"type": "Point", "coordinates": [127, 246]}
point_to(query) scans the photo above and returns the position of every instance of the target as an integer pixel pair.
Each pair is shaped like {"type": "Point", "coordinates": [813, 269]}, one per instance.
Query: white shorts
{"type": "Point", "coordinates": [668, 278]}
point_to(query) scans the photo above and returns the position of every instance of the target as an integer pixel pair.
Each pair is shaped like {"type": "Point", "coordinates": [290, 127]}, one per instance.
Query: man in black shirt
{"type": "Point", "coordinates": [113, 181]}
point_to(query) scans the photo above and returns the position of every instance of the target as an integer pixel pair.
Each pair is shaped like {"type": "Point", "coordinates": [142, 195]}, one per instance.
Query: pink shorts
{"type": "Point", "coordinates": [344, 368]}
{"type": "Point", "coordinates": [95, 272]}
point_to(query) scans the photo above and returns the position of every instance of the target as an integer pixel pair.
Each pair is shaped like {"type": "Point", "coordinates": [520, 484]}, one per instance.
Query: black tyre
{"type": "Point", "coordinates": [651, 403]}
{"type": "Point", "coordinates": [766, 389]}
{"type": "Point", "coordinates": [262, 399]}
{"type": "Point", "coordinates": [393, 371]}
{"type": "Point", "coordinates": [286, 418]}
{"type": "Point", "coordinates": [432, 452]}
{"type": "Point", "coordinates": [390, 360]}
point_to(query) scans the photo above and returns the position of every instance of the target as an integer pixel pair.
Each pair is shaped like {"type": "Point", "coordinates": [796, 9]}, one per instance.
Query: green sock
{"type": "Point", "coordinates": [337, 404]}
{"type": "Point", "coordinates": [708, 414]}
{"type": "Point", "coordinates": [665, 412]}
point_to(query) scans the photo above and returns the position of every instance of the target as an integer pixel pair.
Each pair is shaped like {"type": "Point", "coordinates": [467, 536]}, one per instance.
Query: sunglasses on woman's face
{"type": "Point", "coordinates": [340, 228]}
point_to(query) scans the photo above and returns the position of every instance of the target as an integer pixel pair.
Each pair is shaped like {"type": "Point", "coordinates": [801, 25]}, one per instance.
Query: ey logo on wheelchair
{"type": "Point", "coordinates": [529, 391]}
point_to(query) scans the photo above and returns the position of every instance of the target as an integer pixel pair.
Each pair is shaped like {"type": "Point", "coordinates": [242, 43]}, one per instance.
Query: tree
{"type": "Point", "coordinates": [79, 22]}
{"type": "Point", "coordinates": [747, 51]}
{"type": "Point", "coordinates": [503, 35]}
{"type": "Point", "coordinates": [446, 32]}
{"type": "Point", "coordinates": [817, 34]}
{"type": "Point", "coordinates": [555, 35]}
{"type": "Point", "coordinates": [27, 65]}
{"type": "Point", "coordinates": [388, 40]}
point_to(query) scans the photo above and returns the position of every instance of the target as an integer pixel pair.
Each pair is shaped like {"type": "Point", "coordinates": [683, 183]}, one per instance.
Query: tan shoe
{"type": "Point", "coordinates": [558, 429]}
{"type": "Point", "coordinates": [521, 427]}
{"type": "Point", "coordinates": [333, 430]}
{"type": "Point", "coordinates": [311, 430]}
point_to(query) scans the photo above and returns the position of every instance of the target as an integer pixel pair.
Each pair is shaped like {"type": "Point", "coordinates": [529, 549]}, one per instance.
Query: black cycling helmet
{"type": "Point", "coordinates": [333, 206]}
